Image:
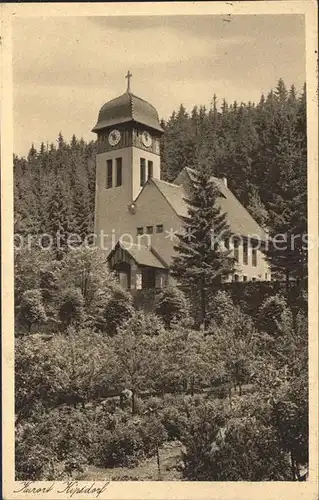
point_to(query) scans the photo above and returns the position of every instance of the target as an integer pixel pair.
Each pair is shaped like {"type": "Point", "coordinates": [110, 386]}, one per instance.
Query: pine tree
{"type": "Point", "coordinates": [256, 207]}
{"type": "Point", "coordinates": [61, 223]}
{"type": "Point", "coordinates": [202, 260]}
{"type": "Point", "coordinates": [180, 145]}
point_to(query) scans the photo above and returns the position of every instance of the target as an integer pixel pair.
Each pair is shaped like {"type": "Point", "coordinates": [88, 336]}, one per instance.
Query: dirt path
{"type": "Point", "coordinates": [170, 456]}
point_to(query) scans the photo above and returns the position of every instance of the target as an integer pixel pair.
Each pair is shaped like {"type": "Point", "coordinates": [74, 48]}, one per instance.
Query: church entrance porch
{"type": "Point", "coordinates": [123, 273]}
{"type": "Point", "coordinates": [137, 267]}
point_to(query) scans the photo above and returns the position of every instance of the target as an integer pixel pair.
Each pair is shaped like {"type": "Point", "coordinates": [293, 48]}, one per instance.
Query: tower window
{"type": "Point", "coordinates": [140, 230]}
{"type": "Point", "coordinates": [254, 257]}
{"type": "Point", "coordinates": [159, 228]}
{"type": "Point", "coordinates": [149, 229]}
{"type": "Point", "coordinates": [118, 171]}
{"type": "Point", "coordinates": [109, 174]}
{"type": "Point", "coordinates": [150, 169]}
{"type": "Point", "coordinates": [142, 171]}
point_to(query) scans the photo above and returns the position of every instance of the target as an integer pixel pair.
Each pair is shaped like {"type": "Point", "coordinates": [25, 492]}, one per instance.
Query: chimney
{"type": "Point", "coordinates": [224, 179]}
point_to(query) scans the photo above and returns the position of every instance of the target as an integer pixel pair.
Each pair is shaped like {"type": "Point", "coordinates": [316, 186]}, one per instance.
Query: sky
{"type": "Point", "coordinates": [66, 68]}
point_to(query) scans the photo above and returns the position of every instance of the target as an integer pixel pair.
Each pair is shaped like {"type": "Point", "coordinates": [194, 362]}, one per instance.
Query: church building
{"type": "Point", "coordinates": [137, 215]}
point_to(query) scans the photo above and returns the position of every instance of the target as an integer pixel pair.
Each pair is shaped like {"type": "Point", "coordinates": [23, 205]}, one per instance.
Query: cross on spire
{"type": "Point", "coordinates": [128, 76]}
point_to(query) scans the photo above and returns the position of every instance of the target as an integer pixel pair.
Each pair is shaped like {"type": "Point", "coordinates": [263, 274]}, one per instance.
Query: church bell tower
{"type": "Point", "coordinates": [128, 154]}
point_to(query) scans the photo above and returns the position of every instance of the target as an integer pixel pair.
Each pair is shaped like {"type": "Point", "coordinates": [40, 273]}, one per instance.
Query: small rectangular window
{"type": "Point", "coordinates": [118, 172]}
{"type": "Point", "coordinates": [159, 228]}
{"type": "Point", "coordinates": [254, 257]}
{"type": "Point", "coordinates": [245, 253]}
{"type": "Point", "coordinates": [266, 276]}
{"type": "Point", "coordinates": [109, 174]}
{"type": "Point", "coordinates": [140, 230]}
{"type": "Point", "coordinates": [253, 279]}
{"type": "Point", "coordinates": [244, 278]}
{"type": "Point", "coordinates": [150, 170]}
{"type": "Point", "coordinates": [236, 250]}
{"type": "Point", "coordinates": [142, 171]}
{"type": "Point", "coordinates": [149, 229]}
{"type": "Point", "coordinates": [236, 277]}
{"type": "Point", "coordinates": [226, 242]}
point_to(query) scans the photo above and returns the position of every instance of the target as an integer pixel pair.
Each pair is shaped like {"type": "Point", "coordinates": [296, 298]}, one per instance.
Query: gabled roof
{"type": "Point", "coordinates": [174, 194]}
{"type": "Point", "coordinates": [141, 254]}
{"type": "Point", "coordinates": [240, 221]}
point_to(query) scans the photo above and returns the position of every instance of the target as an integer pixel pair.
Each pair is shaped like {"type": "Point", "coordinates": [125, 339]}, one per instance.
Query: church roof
{"type": "Point", "coordinates": [143, 255]}
{"type": "Point", "coordinates": [240, 221]}
{"type": "Point", "coordinates": [127, 108]}
{"type": "Point", "coordinates": [174, 194]}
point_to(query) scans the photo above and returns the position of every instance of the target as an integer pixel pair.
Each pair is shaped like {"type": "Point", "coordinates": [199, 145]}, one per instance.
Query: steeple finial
{"type": "Point", "coordinates": [128, 76]}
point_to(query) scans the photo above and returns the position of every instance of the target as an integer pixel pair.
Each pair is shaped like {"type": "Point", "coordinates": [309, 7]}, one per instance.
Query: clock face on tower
{"type": "Point", "coordinates": [114, 137]}
{"type": "Point", "coordinates": [146, 139]}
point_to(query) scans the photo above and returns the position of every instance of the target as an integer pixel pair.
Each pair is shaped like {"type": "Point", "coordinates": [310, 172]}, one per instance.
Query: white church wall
{"type": "Point", "coordinates": [152, 209]}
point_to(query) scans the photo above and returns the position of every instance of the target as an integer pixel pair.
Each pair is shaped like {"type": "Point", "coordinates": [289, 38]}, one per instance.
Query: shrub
{"type": "Point", "coordinates": [275, 316]}
{"type": "Point", "coordinates": [174, 422]}
{"type": "Point", "coordinates": [242, 450]}
{"type": "Point", "coordinates": [237, 444]}
{"type": "Point", "coordinates": [71, 310]}
{"type": "Point", "coordinates": [117, 311]}
{"type": "Point", "coordinates": [36, 379]}
{"type": "Point", "coordinates": [55, 446]}
{"type": "Point", "coordinates": [152, 433]}
{"type": "Point", "coordinates": [31, 309]}
{"type": "Point", "coordinates": [221, 306]}
{"type": "Point", "coordinates": [122, 447]}
{"type": "Point", "coordinates": [144, 323]}
{"type": "Point", "coordinates": [172, 306]}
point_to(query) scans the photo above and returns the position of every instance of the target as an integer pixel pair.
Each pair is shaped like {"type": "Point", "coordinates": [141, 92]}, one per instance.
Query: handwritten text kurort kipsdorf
{"type": "Point", "coordinates": [68, 488]}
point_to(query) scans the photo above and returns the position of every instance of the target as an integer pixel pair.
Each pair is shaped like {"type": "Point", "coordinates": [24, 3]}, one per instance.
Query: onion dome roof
{"type": "Point", "coordinates": [127, 108]}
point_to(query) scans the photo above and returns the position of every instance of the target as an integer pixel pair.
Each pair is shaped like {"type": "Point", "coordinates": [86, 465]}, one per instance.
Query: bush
{"type": "Point", "coordinates": [153, 434]}
{"type": "Point", "coordinates": [31, 309]}
{"type": "Point", "coordinates": [174, 422]}
{"type": "Point", "coordinates": [71, 310]}
{"type": "Point", "coordinates": [117, 311]}
{"type": "Point", "coordinates": [242, 450]}
{"type": "Point", "coordinates": [235, 444]}
{"type": "Point", "coordinates": [121, 447]}
{"type": "Point", "coordinates": [275, 316]}
{"type": "Point", "coordinates": [53, 447]}
{"type": "Point", "coordinates": [221, 307]}
{"type": "Point", "coordinates": [172, 306]}
{"type": "Point", "coordinates": [144, 323]}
